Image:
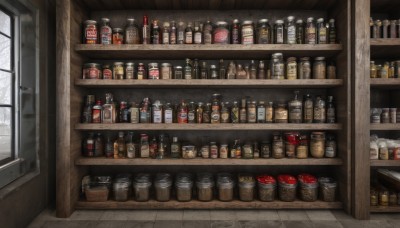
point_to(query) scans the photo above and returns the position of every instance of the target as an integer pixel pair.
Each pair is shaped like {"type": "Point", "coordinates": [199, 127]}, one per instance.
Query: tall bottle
{"type": "Point", "coordinates": [231, 74]}
{"type": "Point", "coordinates": [189, 34]}
{"type": "Point", "coordinates": [173, 33]}
{"type": "Point", "coordinates": [332, 31]}
{"type": "Point", "coordinates": [308, 115]}
{"type": "Point", "coordinates": [319, 110]}
{"type": "Point", "coordinates": [207, 33]}
{"type": "Point", "coordinates": [105, 31]}
{"type": "Point", "coordinates": [130, 146]}
{"type": "Point", "coordinates": [216, 109]}
{"type": "Point", "coordinates": [175, 148]}
{"type": "Point", "coordinates": [181, 33]}
{"type": "Point", "coordinates": [131, 32]}
{"type": "Point", "coordinates": [87, 109]}
{"type": "Point", "coordinates": [162, 147]}
{"type": "Point", "coordinates": [291, 30]}
{"type": "Point", "coordinates": [109, 112]}
{"type": "Point", "coordinates": [261, 70]}
{"type": "Point", "coordinates": [165, 33]}
{"type": "Point", "coordinates": [144, 146]}
{"type": "Point", "coordinates": [98, 145]}
{"type": "Point", "coordinates": [253, 70]}
{"type": "Point", "coordinates": [157, 112]}
{"type": "Point", "coordinates": [235, 39]}
{"type": "Point", "coordinates": [123, 112]}
{"type": "Point", "coordinates": [198, 36]}
{"type": "Point", "coordinates": [222, 69]}
{"type": "Point", "coordinates": [261, 112]}
{"type": "Point", "coordinates": [196, 69]}
{"type": "Point", "coordinates": [120, 146]}
{"type": "Point", "coordinates": [153, 148]}
{"type": "Point", "coordinates": [235, 112]}
{"type": "Point", "coordinates": [182, 112]}
{"type": "Point", "coordinates": [188, 69]}
{"type": "Point", "coordinates": [109, 147]}
{"type": "Point", "coordinates": [145, 30]}
{"type": "Point", "coordinates": [311, 34]}
{"type": "Point", "coordinates": [199, 112]}
{"type": "Point", "coordinates": [330, 111]}
{"type": "Point", "coordinates": [145, 111]}
{"type": "Point", "coordinates": [168, 113]}
{"type": "Point", "coordinates": [96, 112]}
{"type": "Point", "coordinates": [269, 112]}
{"type": "Point", "coordinates": [295, 109]}
{"type": "Point", "coordinates": [321, 32]}
{"type": "Point", "coordinates": [203, 70]}
{"type": "Point", "coordinates": [155, 33]}
{"type": "Point", "coordinates": [243, 112]}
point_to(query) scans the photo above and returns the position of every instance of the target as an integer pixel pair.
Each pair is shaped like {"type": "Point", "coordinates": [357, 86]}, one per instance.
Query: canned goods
{"type": "Point", "coordinates": [166, 71]}
{"type": "Point", "coordinates": [91, 71]}
{"type": "Point", "coordinates": [154, 72]}
{"type": "Point", "coordinates": [90, 33]}
{"type": "Point", "coordinates": [129, 70]}
{"type": "Point", "coordinates": [118, 70]}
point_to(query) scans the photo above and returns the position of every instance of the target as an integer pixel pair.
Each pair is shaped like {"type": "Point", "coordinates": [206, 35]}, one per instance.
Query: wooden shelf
{"type": "Point", "coordinates": [385, 83]}
{"type": "Point", "coordinates": [225, 83]}
{"type": "Point", "coordinates": [385, 127]}
{"type": "Point", "coordinates": [385, 48]}
{"type": "Point", "coordinates": [383, 209]}
{"type": "Point", "coordinates": [208, 162]}
{"type": "Point", "coordinates": [206, 127]}
{"type": "Point", "coordinates": [204, 51]}
{"type": "Point", "coordinates": [385, 162]}
{"type": "Point", "coordinates": [215, 204]}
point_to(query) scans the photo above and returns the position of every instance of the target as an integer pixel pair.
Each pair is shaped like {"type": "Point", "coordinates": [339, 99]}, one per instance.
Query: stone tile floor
{"type": "Point", "coordinates": [212, 219]}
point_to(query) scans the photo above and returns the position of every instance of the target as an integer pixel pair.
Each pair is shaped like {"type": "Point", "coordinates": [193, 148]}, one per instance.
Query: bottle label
{"type": "Point", "coordinates": [197, 38]}
{"type": "Point", "coordinates": [157, 116]}
{"type": "Point", "coordinates": [291, 35]}
{"type": "Point", "coordinates": [263, 36]}
{"type": "Point", "coordinates": [129, 72]}
{"type": "Point", "coordinates": [181, 37]}
{"type": "Point", "coordinates": [322, 36]}
{"type": "Point", "coordinates": [89, 147]}
{"type": "Point", "coordinates": [330, 115]}
{"type": "Point", "coordinates": [182, 117]}
{"type": "Point", "coordinates": [311, 35]}
{"type": "Point", "coordinates": [134, 115]}
{"type": "Point", "coordinates": [308, 114]}
{"type": "Point", "coordinates": [96, 116]}
{"type": "Point", "coordinates": [205, 152]}
{"type": "Point", "coordinates": [105, 35]}
{"type": "Point", "coordinates": [107, 74]}
{"type": "Point", "coordinates": [206, 117]}
{"type": "Point", "coordinates": [191, 117]}
{"type": "Point", "coordinates": [91, 34]}
{"type": "Point", "coordinates": [215, 117]}
{"type": "Point", "coordinates": [130, 150]}
{"type": "Point", "coordinates": [269, 115]}
{"type": "Point", "coordinates": [279, 35]}
{"type": "Point", "coordinates": [243, 116]}
{"type": "Point", "coordinates": [221, 36]}
{"type": "Point", "coordinates": [329, 151]}
{"type": "Point", "coordinates": [107, 114]}
{"type": "Point", "coordinates": [109, 150]}
{"type": "Point", "coordinates": [235, 36]}
{"type": "Point", "coordinates": [295, 114]}
{"type": "Point", "coordinates": [132, 36]}
{"type": "Point", "coordinates": [291, 71]}
{"type": "Point", "coordinates": [247, 34]}
{"type": "Point", "coordinates": [261, 114]}
{"type": "Point", "coordinates": [172, 37]}
{"type": "Point", "coordinates": [207, 38]}
{"type": "Point", "coordinates": [319, 114]}
{"type": "Point", "coordinates": [154, 73]}
{"type": "Point", "coordinates": [168, 116]}
{"type": "Point", "coordinates": [189, 38]}
{"type": "Point", "coordinates": [165, 36]}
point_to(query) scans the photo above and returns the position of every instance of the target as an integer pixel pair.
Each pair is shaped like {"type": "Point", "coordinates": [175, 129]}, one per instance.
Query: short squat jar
{"type": "Point", "coordinates": [266, 188]}
{"type": "Point", "coordinates": [183, 187]}
{"type": "Point", "coordinates": [308, 187]}
{"type": "Point", "coordinates": [287, 188]}
{"type": "Point", "coordinates": [162, 184]}
{"type": "Point", "coordinates": [205, 186]}
{"type": "Point", "coordinates": [141, 187]}
{"type": "Point", "coordinates": [225, 184]}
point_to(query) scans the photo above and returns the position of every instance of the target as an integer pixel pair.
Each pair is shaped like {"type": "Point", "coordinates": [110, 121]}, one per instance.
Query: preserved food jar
{"type": "Point", "coordinates": [141, 187]}
{"type": "Point", "coordinates": [330, 146]}
{"type": "Point", "coordinates": [122, 189]}
{"type": "Point", "coordinates": [321, 32]}
{"type": "Point", "coordinates": [302, 147]}
{"type": "Point", "coordinates": [277, 66]}
{"type": "Point", "coordinates": [183, 187]}
{"type": "Point", "coordinates": [328, 188]}
{"type": "Point", "coordinates": [118, 70]}
{"type": "Point", "coordinates": [384, 197]}
{"type": "Point", "coordinates": [266, 188]}
{"type": "Point", "coordinates": [311, 34]}
{"type": "Point", "coordinates": [247, 32]}
{"type": "Point", "coordinates": [291, 68]}
{"type": "Point", "coordinates": [319, 110]}
{"type": "Point", "coordinates": [304, 68]}
{"type": "Point", "coordinates": [291, 141]}
{"type": "Point", "coordinates": [118, 36]}
{"type": "Point", "coordinates": [154, 71]}
{"type": "Point", "coordinates": [162, 184]}
{"type": "Point", "coordinates": [279, 32]}
{"type": "Point", "coordinates": [278, 147]}
{"type": "Point", "coordinates": [296, 109]}
{"type": "Point", "coordinates": [178, 72]}
{"type": "Point", "coordinates": [105, 31]}
{"type": "Point", "coordinates": [225, 184]}
{"type": "Point", "coordinates": [385, 116]}
{"type": "Point", "coordinates": [129, 70]}
{"type": "Point", "coordinates": [131, 32]}
{"type": "Point", "coordinates": [291, 30]}
{"type": "Point", "coordinates": [189, 151]}
{"type": "Point", "coordinates": [264, 32]}
{"type": "Point", "coordinates": [221, 33]}
{"type": "Point", "coordinates": [213, 150]}
{"type": "Point", "coordinates": [251, 111]}
{"type": "Point", "coordinates": [281, 113]}
{"type": "Point", "coordinates": [205, 184]}
{"type": "Point", "coordinates": [319, 68]}
{"type": "Point", "coordinates": [317, 144]}
{"type": "Point", "coordinates": [235, 34]}
{"type": "Point", "coordinates": [308, 187]}
{"type": "Point", "coordinates": [91, 71]}
{"type": "Point", "coordinates": [90, 32]}
{"type": "Point", "coordinates": [308, 109]}
{"type": "Point", "coordinates": [269, 112]}
{"type": "Point", "coordinates": [247, 151]}
{"type": "Point", "coordinates": [166, 71]}
{"type": "Point", "coordinates": [246, 187]}
{"type": "Point", "coordinates": [331, 71]}
{"type": "Point", "coordinates": [265, 149]}
{"type": "Point", "coordinates": [287, 188]}
{"type": "Point", "coordinates": [374, 195]}
{"type": "Point", "coordinates": [107, 72]}
{"type": "Point", "coordinates": [300, 31]}
{"type": "Point", "coordinates": [141, 72]}
{"type": "Point", "coordinates": [223, 151]}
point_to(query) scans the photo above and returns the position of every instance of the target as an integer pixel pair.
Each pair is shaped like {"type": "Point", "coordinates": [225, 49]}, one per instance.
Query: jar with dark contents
{"type": "Point", "coordinates": [107, 72]}
{"type": "Point", "coordinates": [178, 72]}
{"type": "Point", "coordinates": [225, 185]}
{"type": "Point", "coordinates": [319, 68]}
{"type": "Point", "coordinates": [265, 151]}
{"type": "Point", "coordinates": [205, 187]}
{"type": "Point", "coordinates": [221, 33]}
{"type": "Point", "coordinates": [118, 36]}
{"type": "Point", "coordinates": [141, 72]}
{"type": "Point", "coordinates": [247, 32]}
{"type": "Point", "coordinates": [90, 32]}
{"type": "Point", "coordinates": [300, 33]}
{"type": "Point", "coordinates": [291, 141]}
{"type": "Point", "coordinates": [183, 187]}
{"type": "Point", "coordinates": [263, 35]}
{"type": "Point", "coordinates": [118, 70]}
{"type": "Point", "coordinates": [91, 71]}
{"type": "Point", "coordinates": [287, 188]}
{"type": "Point", "coordinates": [302, 147]}
{"type": "Point", "coordinates": [277, 66]}
{"type": "Point", "coordinates": [141, 187]}
{"type": "Point", "coordinates": [266, 188]}
{"type": "Point", "coordinates": [317, 144]}
{"type": "Point", "coordinates": [304, 68]}
{"type": "Point", "coordinates": [308, 187]}
{"type": "Point", "coordinates": [246, 187]}
{"type": "Point", "coordinates": [281, 113]}
{"type": "Point", "coordinates": [278, 146]}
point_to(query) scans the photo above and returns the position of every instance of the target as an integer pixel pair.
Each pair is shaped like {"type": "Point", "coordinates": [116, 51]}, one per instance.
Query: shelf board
{"type": "Point", "coordinates": [385, 162]}
{"type": "Point", "coordinates": [206, 127]}
{"type": "Point", "coordinates": [385, 127]}
{"type": "Point", "coordinates": [206, 83]}
{"type": "Point", "coordinates": [215, 204]}
{"type": "Point", "coordinates": [208, 162]}
{"type": "Point", "coordinates": [385, 48]}
{"type": "Point", "coordinates": [385, 83]}
{"type": "Point", "coordinates": [204, 51]}
{"type": "Point", "coordinates": [385, 209]}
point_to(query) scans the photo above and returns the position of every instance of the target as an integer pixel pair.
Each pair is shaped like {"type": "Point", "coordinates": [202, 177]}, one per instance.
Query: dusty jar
{"type": "Point", "coordinates": [319, 68]}
{"type": "Point", "coordinates": [162, 184]}
{"type": "Point", "coordinates": [266, 188]}
{"type": "Point", "coordinates": [205, 184]}
{"type": "Point", "coordinates": [317, 144]}
{"type": "Point", "coordinates": [141, 187]}
{"type": "Point", "coordinates": [246, 187]}
{"type": "Point", "coordinates": [91, 71]}
{"type": "Point", "coordinates": [308, 187]}
{"type": "Point", "coordinates": [287, 188]}
{"type": "Point", "coordinates": [304, 68]}
{"type": "Point", "coordinates": [225, 184]}
{"type": "Point", "coordinates": [328, 188]}
{"type": "Point", "coordinates": [183, 187]}
{"type": "Point", "coordinates": [121, 190]}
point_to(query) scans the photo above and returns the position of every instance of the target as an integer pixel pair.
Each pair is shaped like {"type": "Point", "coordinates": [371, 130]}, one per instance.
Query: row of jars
{"type": "Point", "coordinates": [292, 68]}
{"type": "Point", "coordinates": [385, 115]}
{"type": "Point", "coordinates": [387, 70]}
{"type": "Point", "coordinates": [289, 145]}
{"type": "Point", "coordinates": [205, 187]}
{"type": "Point", "coordinates": [382, 196]}
{"type": "Point", "coordinates": [307, 110]}
{"type": "Point", "coordinates": [288, 31]}
{"type": "Point", "coordinates": [384, 28]}
{"type": "Point", "coordinates": [384, 149]}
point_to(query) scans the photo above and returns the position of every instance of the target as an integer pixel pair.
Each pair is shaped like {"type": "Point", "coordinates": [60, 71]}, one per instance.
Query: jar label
{"type": "Point", "coordinates": [94, 73]}
{"type": "Point", "coordinates": [247, 34]}
{"type": "Point", "coordinates": [157, 116]}
{"type": "Point", "coordinates": [278, 69]}
{"type": "Point", "coordinates": [191, 117]}
{"type": "Point", "coordinates": [281, 115]}
{"type": "Point", "coordinates": [96, 116]}
{"type": "Point", "coordinates": [105, 35]}
{"type": "Point", "coordinates": [91, 34]}
{"type": "Point", "coordinates": [107, 74]}
{"type": "Point", "coordinates": [302, 151]}
{"type": "Point", "coordinates": [197, 38]}
{"type": "Point", "coordinates": [291, 35]}
{"type": "Point", "coordinates": [251, 115]}
{"type": "Point", "coordinates": [182, 117]}
{"type": "Point", "coordinates": [317, 148]}
{"type": "Point", "coordinates": [189, 37]}
{"type": "Point", "coordinates": [261, 114]}
{"type": "Point", "coordinates": [329, 152]}
{"type": "Point", "coordinates": [154, 73]}
{"type": "Point", "coordinates": [215, 117]}
{"type": "Point", "coordinates": [134, 115]}
{"type": "Point", "coordinates": [292, 71]}
{"type": "Point", "coordinates": [168, 116]}
{"type": "Point", "coordinates": [221, 37]}
{"type": "Point", "coordinates": [144, 151]}
{"type": "Point", "coordinates": [205, 152]}
{"type": "Point", "coordinates": [213, 151]}
{"type": "Point", "coordinates": [165, 36]}
{"type": "Point", "coordinates": [311, 35]}
{"type": "Point", "coordinates": [263, 36]}
{"type": "Point", "coordinates": [132, 36]}
{"type": "Point", "coordinates": [279, 35]}
{"type": "Point", "coordinates": [265, 151]}
{"type": "Point", "coordinates": [223, 152]}
{"type": "Point", "coordinates": [322, 36]}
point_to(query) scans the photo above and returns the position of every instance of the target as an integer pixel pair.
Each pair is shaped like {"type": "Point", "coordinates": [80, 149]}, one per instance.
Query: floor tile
{"type": "Point", "coordinates": [87, 215]}
{"type": "Point", "coordinates": [66, 224]}
{"type": "Point", "coordinates": [37, 223]}
{"type": "Point", "coordinates": [248, 224]}
{"type": "Point", "coordinates": [341, 215]}
{"type": "Point", "coordinates": [321, 215]}
{"type": "Point", "coordinates": [271, 224]}
{"type": "Point", "coordinates": [142, 215]}
{"type": "Point", "coordinates": [394, 223]}
{"type": "Point", "coordinates": [115, 215]}
{"type": "Point", "coordinates": [196, 224]}
{"type": "Point", "coordinates": [393, 216]}
{"type": "Point", "coordinates": [326, 224]}
{"type": "Point", "coordinates": [288, 215]}
{"type": "Point", "coordinates": [224, 224]}
{"type": "Point", "coordinates": [379, 216]}
{"type": "Point", "coordinates": [268, 215]}
{"type": "Point", "coordinates": [298, 224]}
{"type": "Point", "coordinates": [223, 215]}
{"type": "Point", "coordinates": [196, 215]}
{"type": "Point", "coordinates": [169, 215]}
{"type": "Point", "coordinates": [248, 215]}
{"type": "Point", "coordinates": [167, 224]}
{"type": "Point", "coordinates": [366, 224]}
{"type": "Point", "coordinates": [122, 224]}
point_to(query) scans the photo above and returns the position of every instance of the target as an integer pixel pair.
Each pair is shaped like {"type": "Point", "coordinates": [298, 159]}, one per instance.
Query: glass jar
{"type": "Point", "coordinates": [291, 141]}
{"type": "Point", "coordinates": [162, 184]}
{"type": "Point", "coordinates": [107, 72]}
{"type": "Point", "coordinates": [290, 31]}
{"type": "Point", "coordinates": [178, 72]}
{"type": "Point", "coordinates": [279, 32]}
{"type": "Point", "coordinates": [265, 149]}
{"type": "Point", "coordinates": [319, 110]}
{"type": "Point", "coordinates": [91, 71]}
{"type": "Point", "coordinates": [118, 36]}
{"type": "Point", "coordinates": [384, 198]}
{"type": "Point", "coordinates": [278, 147]}
{"type": "Point", "coordinates": [317, 144]}
{"type": "Point", "coordinates": [376, 115]}
{"type": "Point", "coordinates": [331, 71]}
{"type": "Point", "coordinates": [251, 111]}
{"type": "Point", "coordinates": [296, 109]}
{"type": "Point", "coordinates": [319, 68]}
{"type": "Point", "coordinates": [300, 33]}
{"type": "Point", "coordinates": [304, 68]}
{"type": "Point", "coordinates": [121, 190]}
{"type": "Point", "coordinates": [247, 32]}
{"type": "Point", "coordinates": [330, 146]}
{"type": "Point", "coordinates": [141, 187]}
{"type": "Point", "coordinates": [321, 32]}
{"type": "Point", "coordinates": [308, 187]}
{"type": "Point", "coordinates": [221, 33]}
{"type": "Point", "coordinates": [392, 198]}
{"type": "Point", "coordinates": [131, 32]}
{"type": "Point", "coordinates": [118, 70]}
{"type": "Point", "coordinates": [223, 151]}
{"type": "Point", "coordinates": [154, 71]}
{"type": "Point", "coordinates": [287, 188]}
{"type": "Point", "coordinates": [385, 116]}
{"type": "Point", "coordinates": [205, 184]}
{"type": "Point", "coordinates": [302, 147]}
{"type": "Point", "coordinates": [141, 72]}
{"type": "Point", "coordinates": [311, 34]}
{"type": "Point", "coordinates": [393, 115]}
{"type": "Point", "coordinates": [247, 151]}
{"type": "Point", "coordinates": [166, 71]}
{"type": "Point", "coordinates": [246, 187]}
{"type": "Point", "coordinates": [129, 70]}
{"type": "Point", "coordinates": [328, 188]}
{"type": "Point", "coordinates": [291, 68]}
{"type": "Point", "coordinates": [374, 197]}
{"type": "Point", "coordinates": [225, 184]}
{"type": "Point", "coordinates": [277, 66]}
{"type": "Point", "coordinates": [263, 34]}
{"type": "Point", "coordinates": [183, 187]}
{"type": "Point", "coordinates": [90, 32]}
{"type": "Point", "coordinates": [281, 113]}
{"type": "Point", "coordinates": [213, 150]}
{"type": "Point", "coordinates": [266, 188]}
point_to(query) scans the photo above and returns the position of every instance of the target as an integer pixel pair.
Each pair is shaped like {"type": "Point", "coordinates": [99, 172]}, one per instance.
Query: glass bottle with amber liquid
{"type": "Point", "coordinates": [308, 114]}
{"type": "Point", "coordinates": [175, 148]}
{"type": "Point", "coordinates": [199, 112]}
{"type": "Point", "coordinates": [295, 109]}
{"type": "Point", "coordinates": [162, 147]}
{"type": "Point", "coordinates": [225, 114]}
{"type": "Point", "coordinates": [216, 109]}
{"type": "Point", "coordinates": [207, 113]}
{"type": "Point", "coordinates": [120, 146]}
{"type": "Point", "coordinates": [269, 112]}
{"type": "Point", "coordinates": [243, 112]}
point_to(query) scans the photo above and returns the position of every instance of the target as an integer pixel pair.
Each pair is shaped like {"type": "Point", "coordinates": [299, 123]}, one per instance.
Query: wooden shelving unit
{"type": "Point", "coordinates": [382, 83]}
{"type": "Point", "coordinates": [385, 127]}
{"type": "Point", "coordinates": [71, 55]}
{"type": "Point", "coordinates": [383, 209]}
{"type": "Point", "coordinates": [381, 163]}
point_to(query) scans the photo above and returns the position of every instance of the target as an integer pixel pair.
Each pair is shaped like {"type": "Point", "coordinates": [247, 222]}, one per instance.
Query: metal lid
{"type": "Point", "coordinates": [165, 64]}
{"type": "Point", "coordinates": [153, 64]}
{"type": "Point", "coordinates": [129, 64]}
{"type": "Point", "coordinates": [90, 22]}
{"type": "Point", "coordinates": [290, 59]}
{"type": "Point", "coordinates": [320, 20]}
{"type": "Point", "coordinates": [299, 21]}
{"type": "Point", "coordinates": [105, 66]}
{"type": "Point", "coordinates": [277, 55]}
{"type": "Point", "coordinates": [320, 58]}
{"type": "Point", "coordinates": [92, 65]}
{"type": "Point", "coordinates": [263, 21]}
{"type": "Point", "coordinates": [221, 23]}
{"type": "Point", "coordinates": [118, 63]}
{"type": "Point", "coordinates": [305, 58]}
{"type": "Point", "coordinates": [213, 67]}
{"type": "Point", "coordinates": [310, 19]}
{"type": "Point", "coordinates": [247, 22]}
{"type": "Point", "coordinates": [236, 21]}
{"type": "Point", "coordinates": [104, 19]}
{"type": "Point", "coordinates": [118, 30]}
{"type": "Point", "coordinates": [130, 19]}
{"type": "Point", "coordinates": [178, 67]}
{"type": "Point", "coordinates": [290, 18]}
{"type": "Point", "coordinates": [278, 22]}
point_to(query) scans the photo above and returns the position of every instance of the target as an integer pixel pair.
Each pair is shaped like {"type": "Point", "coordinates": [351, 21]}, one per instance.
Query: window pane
{"type": "Point", "coordinates": [5, 133]}
{"type": "Point", "coordinates": [5, 23]}
{"type": "Point", "coordinates": [5, 53]}
{"type": "Point", "coordinates": [5, 87]}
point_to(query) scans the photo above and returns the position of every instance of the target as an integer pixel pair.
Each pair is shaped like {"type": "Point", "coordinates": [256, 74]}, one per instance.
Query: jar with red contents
{"type": "Point", "coordinates": [287, 188]}
{"type": "Point", "coordinates": [90, 33]}
{"type": "Point", "coordinates": [266, 188]}
{"type": "Point", "coordinates": [291, 142]}
{"type": "Point", "coordinates": [308, 187]}
{"type": "Point", "coordinates": [91, 71]}
{"type": "Point", "coordinates": [221, 33]}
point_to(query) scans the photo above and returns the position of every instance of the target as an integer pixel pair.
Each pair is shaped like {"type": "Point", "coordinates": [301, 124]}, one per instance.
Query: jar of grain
{"type": "Point", "coordinates": [328, 188]}
{"type": "Point", "coordinates": [183, 187]}
{"type": "Point", "coordinates": [162, 184]}
{"type": "Point", "coordinates": [384, 197]}
{"type": "Point", "coordinates": [319, 68]}
{"type": "Point", "coordinates": [205, 184]}
{"type": "Point", "coordinates": [266, 188]}
{"type": "Point", "coordinates": [278, 146]}
{"type": "Point", "coordinates": [302, 147]}
{"type": "Point", "coordinates": [287, 188]}
{"type": "Point", "coordinates": [308, 187]}
{"type": "Point", "coordinates": [317, 144]}
{"type": "Point", "coordinates": [246, 187]}
{"type": "Point", "coordinates": [225, 184]}
{"type": "Point", "coordinates": [281, 113]}
{"type": "Point", "coordinates": [141, 187]}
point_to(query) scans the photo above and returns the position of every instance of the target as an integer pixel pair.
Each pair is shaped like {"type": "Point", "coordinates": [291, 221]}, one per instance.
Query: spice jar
{"type": "Point", "coordinates": [118, 36]}
{"type": "Point", "coordinates": [281, 113]}
{"type": "Point", "coordinates": [328, 188]}
{"type": "Point", "coordinates": [302, 147]}
{"type": "Point", "coordinates": [247, 32]}
{"type": "Point", "coordinates": [296, 109]}
{"type": "Point", "coordinates": [331, 71]}
{"type": "Point", "coordinates": [291, 68]}
{"type": "Point", "coordinates": [330, 146]}
{"type": "Point", "coordinates": [166, 71]}
{"type": "Point", "coordinates": [205, 184]}
{"type": "Point", "coordinates": [141, 187]}
{"type": "Point", "coordinates": [183, 187]}
{"type": "Point", "coordinates": [287, 188]}
{"type": "Point", "coordinates": [277, 66]}
{"type": "Point", "coordinates": [317, 144]}
{"type": "Point", "coordinates": [308, 187]}
{"type": "Point", "coordinates": [265, 149]}
{"type": "Point", "coordinates": [189, 151]}
{"type": "Point", "coordinates": [319, 110]}
{"type": "Point", "coordinates": [129, 70]}
{"type": "Point", "coordinates": [384, 198]}
{"type": "Point", "coordinates": [162, 184]}
{"type": "Point", "coordinates": [291, 141]}
{"type": "Point", "coordinates": [154, 71]}
{"type": "Point", "coordinates": [263, 35]}
{"type": "Point", "coordinates": [319, 68]}
{"type": "Point", "coordinates": [304, 68]}
{"type": "Point", "coordinates": [278, 146]}
{"type": "Point", "coordinates": [376, 115]}
{"type": "Point", "coordinates": [178, 72]}
{"type": "Point", "coordinates": [266, 188]}
{"type": "Point", "coordinates": [221, 33]}
{"type": "Point", "coordinates": [290, 30]}
{"type": "Point", "coordinates": [372, 70]}
{"type": "Point", "coordinates": [118, 70]}
{"type": "Point", "coordinates": [300, 33]}
{"type": "Point", "coordinates": [246, 187]}
{"type": "Point", "coordinates": [91, 71]}
{"type": "Point", "coordinates": [90, 32]}
{"type": "Point", "coordinates": [311, 34]}
{"type": "Point", "coordinates": [225, 186]}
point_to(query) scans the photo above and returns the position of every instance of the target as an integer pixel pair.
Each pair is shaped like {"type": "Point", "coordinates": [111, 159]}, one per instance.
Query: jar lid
{"type": "Point", "coordinates": [310, 19]}
{"type": "Point", "coordinates": [130, 19]}
{"type": "Point", "coordinates": [91, 65]}
{"type": "Point", "coordinates": [305, 58]}
{"type": "Point", "coordinates": [320, 20]}
{"type": "Point", "coordinates": [117, 30]}
{"type": "Point", "coordinates": [224, 178]}
{"type": "Point", "coordinates": [142, 178]}
{"type": "Point", "coordinates": [118, 63]}
{"type": "Point", "coordinates": [263, 21]}
{"type": "Point", "coordinates": [165, 64]}
{"type": "Point", "coordinates": [266, 179]}
{"type": "Point", "coordinates": [290, 18]}
{"type": "Point", "coordinates": [278, 22]}
{"type": "Point", "coordinates": [184, 178]}
{"type": "Point", "coordinates": [236, 21]}
{"type": "Point", "coordinates": [247, 22]}
{"type": "Point", "coordinates": [307, 178]}
{"type": "Point", "coordinates": [213, 67]}
{"type": "Point", "coordinates": [246, 178]}
{"type": "Point", "coordinates": [104, 19]}
{"type": "Point", "coordinates": [90, 22]}
{"type": "Point", "coordinates": [129, 64]}
{"type": "Point", "coordinates": [153, 64]}
{"type": "Point", "coordinates": [299, 21]}
{"type": "Point", "coordinates": [320, 58]}
{"type": "Point", "coordinates": [178, 67]}
{"type": "Point", "coordinates": [276, 55]}
{"type": "Point", "coordinates": [287, 179]}
{"type": "Point", "coordinates": [292, 59]}
{"type": "Point", "coordinates": [105, 66]}
{"type": "Point", "coordinates": [221, 23]}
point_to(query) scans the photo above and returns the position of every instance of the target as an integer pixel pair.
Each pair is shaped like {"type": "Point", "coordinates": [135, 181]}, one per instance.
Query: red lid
{"type": "Point", "coordinates": [265, 179]}
{"type": "Point", "coordinates": [287, 179]}
{"type": "Point", "coordinates": [307, 178]}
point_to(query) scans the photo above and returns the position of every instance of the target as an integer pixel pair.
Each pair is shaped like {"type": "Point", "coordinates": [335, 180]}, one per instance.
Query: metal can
{"type": "Point", "coordinates": [154, 72]}
{"type": "Point", "coordinates": [90, 32]}
{"type": "Point", "coordinates": [304, 68]}
{"type": "Point", "coordinates": [129, 70]}
{"type": "Point", "coordinates": [118, 70]}
{"type": "Point", "coordinates": [247, 32]}
{"type": "Point", "coordinates": [166, 71]}
{"type": "Point", "coordinates": [107, 72]}
{"type": "Point", "coordinates": [221, 33]}
{"type": "Point", "coordinates": [118, 36]}
{"type": "Point", "coordinates": [291, 68]}
{"type": "Point", "coordinates": [91, 71]}
{"type": "Point", "coordinates": [141, 72]}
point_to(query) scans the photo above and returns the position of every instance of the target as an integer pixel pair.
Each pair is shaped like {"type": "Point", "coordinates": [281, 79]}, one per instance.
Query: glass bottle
{"type": "Point", "coordinates": [157, 112]}
{"type": "Point", "coordinates": [96, 112]}
{"type": "Point", "coordinates": [189, 34]}
{"type": "Point", "coordinates": [319, 110]}
{"type": "Point", "coordinates": [145, 111]}
{"type": "Point", "coordinates": [243, 112]}
{"type": "Point", "coordinates": [253, 70]}
{"type": "Point", "coordinates": [165, 33]}
{"type": "Point", "coordinates": [330, 146]}
{"type": "Point", "coordinates": [261, 70]}
{"type": "Point", "coordinates": [278, 32]}
{"type": "Point", "coordinates": [235, 112]}
{"type": "Point", "coordinates": [247, 70]}
{"type": "Point", "coordinates": [131, 32]}
{"type": "Point", "coordinates": [196, 69]}
{"type": "Point", "coordinates": [216, 109]}
{"type": "Point", "coordinates": [263, 35]}
{"type": "Point", "coordinates": [199, 112]}
{"type": "Point", "coordinates": [192, 112]}
{"type": "Point", "coordinates": [109, 147]}
{"type": "Point", "coordinates": [181, 33]}
{"type": "Point", "coordinates": [213, 72]}
{"type": "Point", "coordinates": [332, 31]}
{"type": "Point", "coordinates": [144, 146]}
{"type": "Point", "coordinates": [295, 109]}
{"type": "Point", "coordinates": [188, 69]}
{"type": "Point", "coordinates": [203, 70]}
{"type": "Point", "coordinates": [123, 112]}
{"type": "Point", "coordinates": [108, 114]}
{"type": "Point", "coordinates": [207, 113]}
{"type": "Point", "coordinates": [153, 148]}
{"type": "Point", "coordinates": [87, 109]}
{"type": "Point", "coordinates": [168, 113]}
{"type": "Point", "coordinates": [198, 37]}
{"type": "Point", "coordinates": [238, 149]}
{"type": "Point", "coordinates": [222, 69]}
{"type": "Point", "coordinates": [308, 115]}
{"type": "Point", "coordinates": [155, 33]}
{"type": "Point", "coordinates": [172, 33]}
{"type": "Point", "coordinates": [145, 30]}
{"type": "Point", "coordinates": [88, 146]}
{"type": "Point", "coordinates": [290, 30]}
{"type": "Point", "coordinates": [261, 112]}
{"type": "Point", "coordinates": [175, 148]}
{"type": "Point", "coordinates": [240, 72]}
{"type": "Point", "coordinates": [105, 32]}
{"type": "Point", "coordinates": [235, 34]}
{"type": "Point", "coordinates": [134, 113]}
{"type": "Point", "coordinates": [330, 111]}
{"type": "Point", "coordinates": [300, 33]}
{"type": "Point", "coordinates": [130, 146]}
{"type": "Point", "coordinates": [321, 31]}
{"type": "Point", "coordinates": [182, 112]}
{"type": "Point", "coordinates": [120, 146]}
{"type": "Point", "coordinates": [98, 145]}
{"type": "Point", "coordinates": [207, 33]}
{"type": "Point", "coordinates": [162, 147]}
{"type": "Point", "coordinates": [277, 66]}
{"type": "Point", "coordinates": [269, 112]}
{"type": "Point", "coordinates": [310, 36]}
{"type": "Point", "coordinates": [225, 114]}
{"type": "Point", "coordinates": [231, 74]}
